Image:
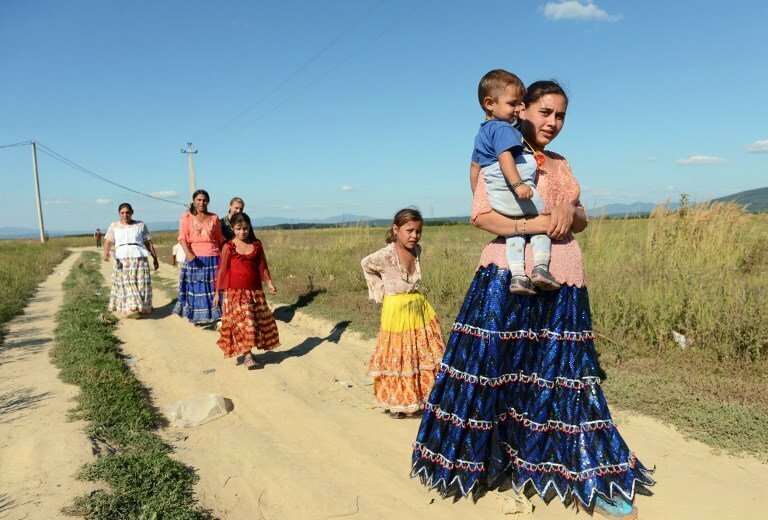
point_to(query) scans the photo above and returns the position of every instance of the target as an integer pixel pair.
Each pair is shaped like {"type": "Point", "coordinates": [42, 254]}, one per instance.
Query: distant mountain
{"type": "Point", "coordinates": [625, 210]}
{"type": "Point", "coordinates": [757, 200]}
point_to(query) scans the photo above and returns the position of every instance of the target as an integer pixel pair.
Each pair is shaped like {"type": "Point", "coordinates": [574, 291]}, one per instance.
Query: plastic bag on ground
{"type": "Point", "coordinates": [197, 410]}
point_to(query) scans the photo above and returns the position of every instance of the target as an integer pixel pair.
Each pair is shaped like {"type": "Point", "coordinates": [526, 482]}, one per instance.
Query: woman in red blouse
{"type": "Point", "coordinates": [246, 320]}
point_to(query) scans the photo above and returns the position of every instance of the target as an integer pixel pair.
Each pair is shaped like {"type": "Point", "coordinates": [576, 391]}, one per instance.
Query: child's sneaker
{"type": "Point", "coordinates": [543, 279]}
{"type": "Point", "coordinates": [521, 285]}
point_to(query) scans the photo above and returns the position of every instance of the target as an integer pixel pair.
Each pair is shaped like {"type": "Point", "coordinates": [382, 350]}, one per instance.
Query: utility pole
{"type": "Point", "coordinates": [192, 182]}
{"type": "Point", "coordinates": [37, 194]}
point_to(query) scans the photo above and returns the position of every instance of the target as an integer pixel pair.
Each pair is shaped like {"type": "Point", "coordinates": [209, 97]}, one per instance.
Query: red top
{"type": "Point", "coordinates": [238, 271]}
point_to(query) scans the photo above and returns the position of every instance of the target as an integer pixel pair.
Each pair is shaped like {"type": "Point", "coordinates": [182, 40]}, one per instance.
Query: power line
{"type": "Point", "coordinates": [72, 164]}
{"type": "Point", "coordinates": [16, 144]}
{"type": "Point", "coordinates": [336, 39]}
{"type": "Point", "coordinates": [326, 73]}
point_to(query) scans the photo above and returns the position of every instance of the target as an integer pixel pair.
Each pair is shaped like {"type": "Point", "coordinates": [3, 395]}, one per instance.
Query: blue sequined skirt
{"type": "Point", "coordinates": [518, 400]}
{"type": "Point", "coordinates": [196, 290]}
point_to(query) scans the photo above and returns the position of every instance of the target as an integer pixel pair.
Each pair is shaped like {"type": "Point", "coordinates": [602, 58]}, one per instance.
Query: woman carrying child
{"type": "Point", "coordinates": [410, 343]}
{"type": "Point", "coordinates": [518, 399]}
{"type": "Point", "coordinates": [246, 321]}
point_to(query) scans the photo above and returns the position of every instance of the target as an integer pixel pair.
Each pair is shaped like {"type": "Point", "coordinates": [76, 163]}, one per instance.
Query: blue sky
{"type": "Point", "coordinates": [303, 117]}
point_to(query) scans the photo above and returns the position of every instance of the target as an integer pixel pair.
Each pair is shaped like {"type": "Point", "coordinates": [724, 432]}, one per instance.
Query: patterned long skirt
{"type": "Point", "coordinates": [196, 290]}
{"type": "Point", "coordinates": [131, 289]}
{"type": "Point", "coordinates": [407, 354]}
{"type": "Point", "coordinates": [246, 323]}
{"type": "Point", "coordinates": [518, 399]}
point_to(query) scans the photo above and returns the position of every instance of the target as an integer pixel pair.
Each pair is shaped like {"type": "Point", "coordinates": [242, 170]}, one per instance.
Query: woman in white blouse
{"type": "Point", "coordinates": [131, 293]}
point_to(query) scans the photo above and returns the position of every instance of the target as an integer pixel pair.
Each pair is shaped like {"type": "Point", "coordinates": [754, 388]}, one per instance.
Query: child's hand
{"type": "Point", "coordinates": [105, 256]}
{"type": "Point", "coordinates": [272, 288]}
{"type": "Point", "coordinates": [216, 299]}
{"type": "Point", "coordinates": [190, 257]}
{"type": "Point", "coordinates": [524, 192]}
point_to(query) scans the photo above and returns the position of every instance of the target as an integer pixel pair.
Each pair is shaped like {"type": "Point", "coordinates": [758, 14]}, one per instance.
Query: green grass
{"type": "Point", "coordinates": [20, 283]}
{"type": "Point", "coordinates": [144, 482]}
{"type": "Point", "coordinates": [700, 272]}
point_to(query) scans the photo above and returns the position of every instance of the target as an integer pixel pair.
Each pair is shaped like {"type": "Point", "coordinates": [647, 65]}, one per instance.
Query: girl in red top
{"type": "Point", "coordinates": [246, 320]}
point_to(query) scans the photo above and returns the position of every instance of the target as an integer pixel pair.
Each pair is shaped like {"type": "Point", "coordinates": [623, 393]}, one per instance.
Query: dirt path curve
{"type": "Point", "coordinates": [303, 442]}
{"type": "Point", "coordinates": [40, 451]}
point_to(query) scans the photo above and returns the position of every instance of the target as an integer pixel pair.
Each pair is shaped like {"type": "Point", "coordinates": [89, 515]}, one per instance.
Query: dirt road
{"type": "Point", "coordinates": [304, 443]}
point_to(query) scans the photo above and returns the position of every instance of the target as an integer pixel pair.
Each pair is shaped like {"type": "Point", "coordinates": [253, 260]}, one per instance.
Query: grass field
{"type": "Point", "coordinates": [702, 272]}
{"type": "Point", "coordinates": [23, 265]}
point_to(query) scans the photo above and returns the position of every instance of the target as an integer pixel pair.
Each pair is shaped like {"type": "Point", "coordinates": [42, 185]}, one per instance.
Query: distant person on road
{"type": "Point", "coordinates": [410, 343]}
{"type": "Point", "coordinates": [131, 290]}
{"type": "Point", "coordinates": [97, 235]}
{"type": "Point", "coordinates": [200, 237]}
{"type": "Point", "coordinates": [236, 205]}
{"type": "Point", "coordinates": [246, 321]}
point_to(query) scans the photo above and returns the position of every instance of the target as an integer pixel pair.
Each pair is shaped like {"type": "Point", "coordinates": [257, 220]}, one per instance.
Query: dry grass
{"type": "Point", "coordinates": [699, 271]}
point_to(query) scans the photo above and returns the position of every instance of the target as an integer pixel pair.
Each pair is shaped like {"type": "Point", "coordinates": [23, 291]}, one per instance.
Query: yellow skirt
{"type": "Point", "coordinates": [408, 352]}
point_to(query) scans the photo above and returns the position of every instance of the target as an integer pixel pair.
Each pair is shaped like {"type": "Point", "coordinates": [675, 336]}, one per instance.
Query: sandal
{"type": "Point", "coordinates": [248, 361]}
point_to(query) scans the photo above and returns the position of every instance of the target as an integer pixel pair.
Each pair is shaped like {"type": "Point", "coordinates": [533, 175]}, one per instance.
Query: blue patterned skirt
{"type": "Point", "coordinates": [518, 399]}
{"type": "Point", "coordinates": [196, 290]}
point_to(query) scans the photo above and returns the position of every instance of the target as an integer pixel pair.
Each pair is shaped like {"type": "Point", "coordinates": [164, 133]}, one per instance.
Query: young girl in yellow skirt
{"type": "Point", "coordinates": [410, 344]}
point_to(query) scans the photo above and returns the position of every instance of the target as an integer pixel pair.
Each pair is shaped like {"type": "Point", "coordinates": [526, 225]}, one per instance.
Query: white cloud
{"type": "Point", "coordinates": [57, 201]}
{"type": "Point", "coordinates": [164, 194]}
{"type": "Point", "coordinates": [576, 10]}
{"type": "Point", "coordinates": [346, 187]}
{"type": "Point", "coordinates": [758, 147]}
{"type": "Point", "coordinates": [700, 159]}
{"type": "Point", "coordinates": [316, 206]}
{"type": "Point", "coordinates": [103, 202]}
{"type": "Point", "coordinates": [650, 158]}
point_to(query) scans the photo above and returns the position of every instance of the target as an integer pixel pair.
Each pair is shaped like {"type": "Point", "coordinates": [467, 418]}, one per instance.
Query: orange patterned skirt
{"type": "Point", "coordinates": [246, 323]}
{"type": "Point", "coordinates": [408, 352]}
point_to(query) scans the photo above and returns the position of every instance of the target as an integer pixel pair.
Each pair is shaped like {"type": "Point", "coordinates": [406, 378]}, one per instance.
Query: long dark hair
{"type": "Point", "coordinates": [539, 89]}
{"type": "Point", "coordinates": [242, 217]}
{"type": "Point", "coordinates": [401, 218]}
{"type": "Point", "coordinates": [192, 208]}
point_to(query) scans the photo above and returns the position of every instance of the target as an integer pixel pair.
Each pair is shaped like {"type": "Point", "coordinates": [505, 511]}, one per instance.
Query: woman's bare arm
{"type": "Point", "coordinates": [564, 218]}
{"type": "Point", "coordinates": [504, 226]}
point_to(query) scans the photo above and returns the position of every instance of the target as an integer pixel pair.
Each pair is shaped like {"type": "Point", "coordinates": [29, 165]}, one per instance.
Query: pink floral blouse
{"type": "Point", "coordinates": [555, 187]}
{"type": "Point", "coordinates": [385, 275]}
{"type": "Point", "coordinates": [204, 238]}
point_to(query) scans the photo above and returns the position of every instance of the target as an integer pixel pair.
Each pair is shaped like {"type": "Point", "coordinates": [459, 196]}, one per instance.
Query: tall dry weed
{"type": "Point", "coordinates": [699, 271]}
